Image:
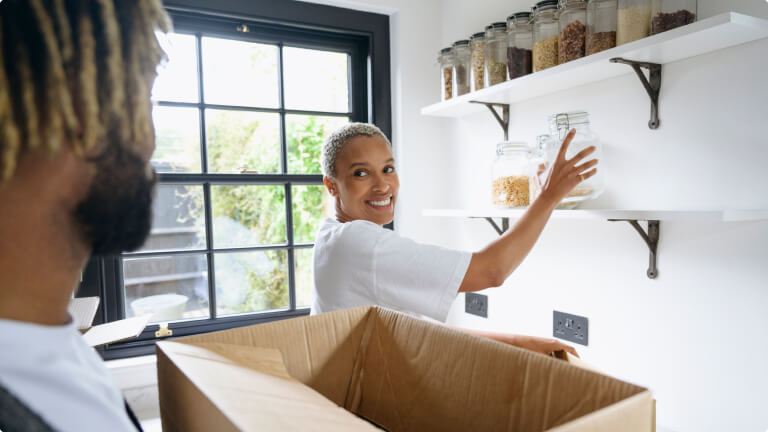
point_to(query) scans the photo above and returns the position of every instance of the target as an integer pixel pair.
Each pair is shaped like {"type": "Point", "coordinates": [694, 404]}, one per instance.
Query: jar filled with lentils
{"type": "Point", "coordinates": [633, 20]}
{"type": "Point", "coordinates": [519, 45]}
{"type": "Point", "coordinates": [545, 34]}
{"type": "Point", "coordinates": [601, 25]}
{"type": "Point", "coordinates": [477, 46]}
{"type": "Point", "coordinates": [462, 64]}
{"type": "Point", "coordinates": [571, 45]}
{"type": "Point", "coordinates": [669, 14]}
{"type": "Point", "coordinates": [445, 60]}
{"type": "Point", "coordinates": [496, 54]}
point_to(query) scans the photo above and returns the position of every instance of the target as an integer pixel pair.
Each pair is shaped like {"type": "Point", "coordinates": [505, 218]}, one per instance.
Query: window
{"type": "Point", "coordinates": [241, 110]}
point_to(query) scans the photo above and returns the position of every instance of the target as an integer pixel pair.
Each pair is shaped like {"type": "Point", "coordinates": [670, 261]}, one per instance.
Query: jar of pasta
{"type": "Point", "coordinates": [496, 54]}
{"type": "Point", "coordinates": [545, 34]}
{"type": "Point", "coordinates": [571, 45]}
{"type": "Point", "coordinates": [462, 63]}
{"type": "Point", "coordinates": [445, 60]}
{"type": "Point", "coordinates": [669, 14]}
{"type": "Point", "coordinates": [477, 46]}
{"type": "Point", "coordinates": [601, 25]}
{"type": "Point", "coordinates": [513, 173]}
{"type": "Point", "coordinates": [559, 125]}
{"type": "Point", "coordinates": [519, 44]}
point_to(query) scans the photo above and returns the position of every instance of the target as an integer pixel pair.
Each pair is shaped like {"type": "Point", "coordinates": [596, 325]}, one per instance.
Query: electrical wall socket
{"type": "Point", "coordinates": [476, 304]}
{"type": "Point", "coordinates": [572, 328]}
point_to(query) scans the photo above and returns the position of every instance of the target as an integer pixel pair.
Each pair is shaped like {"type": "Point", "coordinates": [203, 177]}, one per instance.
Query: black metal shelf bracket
{"type": "Point", "coordinates": [651, 238]}
{"type": "Point", "coordinates": [652, 84]}
{"type": "Point", "coordinates": [504, 224]}
{"type": "Point", "coordinates": [503, 119]}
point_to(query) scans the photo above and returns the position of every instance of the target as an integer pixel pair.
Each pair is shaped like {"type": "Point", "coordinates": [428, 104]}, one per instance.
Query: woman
{"type": "Point", "coordinates": [357, 262]}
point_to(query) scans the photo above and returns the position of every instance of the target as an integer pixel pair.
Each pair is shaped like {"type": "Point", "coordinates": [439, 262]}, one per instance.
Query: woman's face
{"type": "Point", "coordinates": [366, 183]}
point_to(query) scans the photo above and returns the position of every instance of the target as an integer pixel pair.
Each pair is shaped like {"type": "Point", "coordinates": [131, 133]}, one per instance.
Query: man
{"type": "Point", "coordinates": [76, 136]}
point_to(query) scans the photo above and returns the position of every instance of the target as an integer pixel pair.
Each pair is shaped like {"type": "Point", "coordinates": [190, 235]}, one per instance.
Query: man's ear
{"type": "Point", "coordinates": [331, 186]}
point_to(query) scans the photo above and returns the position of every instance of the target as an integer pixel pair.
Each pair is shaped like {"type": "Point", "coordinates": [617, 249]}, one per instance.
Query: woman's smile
{"type": "Point", "coordinates": [381, 205]}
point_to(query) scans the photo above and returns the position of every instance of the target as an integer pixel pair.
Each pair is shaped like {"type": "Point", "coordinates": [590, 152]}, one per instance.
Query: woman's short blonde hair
{"type": "Point", "coordinates": [335, 142]}
{"type": "Point", "coordinates": [76, 70]}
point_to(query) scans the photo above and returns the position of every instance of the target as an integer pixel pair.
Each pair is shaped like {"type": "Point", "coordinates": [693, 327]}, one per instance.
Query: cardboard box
{"type": "Point", "coordinates": [83, 310]}
{"type": "Point", "coordinates": [366, 367]}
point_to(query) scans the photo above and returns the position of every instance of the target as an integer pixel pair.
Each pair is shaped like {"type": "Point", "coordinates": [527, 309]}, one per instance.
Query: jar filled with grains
{"type": "Point", "coordinates": [477, 46]}
{"type": "Point", "coordinates": [519, 44]}
{"type": "Point", "coordinates": [545, 34]}
{"type": "Point", "coordinates": [571, 45]}
{"type": "Point", "coordinates": [462, 63]}
{"type": "Point", "coordinates": [669, 14]}
{"type": "Point", "coordinates": [514, 172]}
{"type": "Point", "coordinates": [496, 54]}
{"type": "Point", "coordinates": [445, 60]}
{"type": "Point", "coordinates": [559, 125]}
{"type": "Point", "coordinates": [633, 20]}
{"type": "Point", "coordinates": [601, 25]}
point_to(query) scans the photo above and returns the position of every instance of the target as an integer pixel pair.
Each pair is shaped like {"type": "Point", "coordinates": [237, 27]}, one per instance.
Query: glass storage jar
{"type": "Point", "coordinates": [601, 25]}
{"type": "Point", "coordinates": [519, 44]}
{"type": "Point", "coordinates": [559, 125]}
{"type": "Point", "coordinates": [462, 63]}
{"type": "Point", "coordinates": [633, 20]}
{"type": "Point", "coordinates": [445, 59]}
{"type": "Point", "coordinates": [477, 46]}
{"type": "Point", "coordinates": [496, 54]}
{"type": "Point", "coordinates": [513, 171]}
{"type": "Point", "coordinates": [669, 14]}
{"type": "Point", "coordinates": [545, 34]}
{"type": "Point", "coordinates": [572, 16]}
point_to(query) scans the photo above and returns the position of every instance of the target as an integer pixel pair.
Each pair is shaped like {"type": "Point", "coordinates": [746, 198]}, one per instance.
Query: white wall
{"type": "Point", "coordinates": [692, 335]}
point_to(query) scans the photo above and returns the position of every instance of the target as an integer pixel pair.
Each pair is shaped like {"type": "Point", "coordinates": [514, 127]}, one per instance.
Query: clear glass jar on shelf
{"type": "Point", "coordinates": [669, 14]}
{"type": "Point", "coordinates": [445, 60]}
{"type": "Point", "coordinates": [633, 20]}
{"type": "Point", "coordinates": [519, 45]}
{"type": "Point", "coordinates": [462, 64]}
{"type": "Point", "coordinates": [496, 54]}
{"type": "Point", "coordinates": [513, 174]}
{"type": "Point", "coordinates": [559, 125]}
{"type": "Point", "coordinates": [477, 46]}
{"type": "Point", "coordinates": [571, 44]}
{"type": "Point", "coordinates": [601, 25]}
{"type": "Point", "coordinates": [546, 31]}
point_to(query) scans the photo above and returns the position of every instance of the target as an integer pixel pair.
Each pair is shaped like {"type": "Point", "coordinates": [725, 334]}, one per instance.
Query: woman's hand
{"type": "Point", "coordinates": [540, 345]}
{"type": "Point", "coordinates": [565, 174]}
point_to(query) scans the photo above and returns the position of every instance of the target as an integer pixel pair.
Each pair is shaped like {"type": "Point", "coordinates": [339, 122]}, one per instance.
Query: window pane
{"type": "Point", "coordinates": [305, 136]}
{"type": "Point", "coordinates": [239, 73]}
{"type": "Point", "coordinates": [311, 204]}
{"type": "Point", "coordinates": [171, 288]}
{"type": "Point", "coordinates": [251, 281]}
{"type": "Point", "coordinates": [178, 220]}
{"type": "Point", "coordinates": [246, 215]}
{"type": "Point", "coordinates": [316, 80]}
{"type": "Point", "coordinates": [177, 140]}
{"type": "Point", "coordinates": [177, 79]}
{"type": "Point", "coordinates": [239, 140]}
{"type": "Point", "coordinates": [304, 277]}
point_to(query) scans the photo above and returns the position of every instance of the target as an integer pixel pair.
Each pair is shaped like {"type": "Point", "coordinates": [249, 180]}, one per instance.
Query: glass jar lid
{"type": "Point", "coordinates": [561, 123]}
{"type": "Point", "coordinates": [461, 43]}
{"type": "Point", "coordinates": [518, 18]}
{"type": "Point", "coordinates": [478, 37]}
{"type": "Point", "coordinates": [497, 27]}
{"type": "Point", "coordinates": [445, 51]}
{"type": "Point", "coordinates": [545, 5]}
{"type": "Point", "coordinates": [510, 147]}
{"type": "Point", "coordinates": [572, 4]}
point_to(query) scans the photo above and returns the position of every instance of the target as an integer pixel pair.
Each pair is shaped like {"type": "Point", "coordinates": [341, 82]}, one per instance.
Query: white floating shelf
{"type": "Point", "coordinates": [663, 215]}
{"type": "Point", "coordinates": [705, 36]}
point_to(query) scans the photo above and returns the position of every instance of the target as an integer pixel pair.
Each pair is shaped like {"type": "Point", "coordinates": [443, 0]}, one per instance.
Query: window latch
{"type": "Point", "coordinates": [163, 331]}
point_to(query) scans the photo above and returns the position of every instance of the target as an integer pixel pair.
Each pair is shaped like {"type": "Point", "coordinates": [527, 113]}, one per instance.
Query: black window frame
{"type": "Point", "coordinates": [364, 35]}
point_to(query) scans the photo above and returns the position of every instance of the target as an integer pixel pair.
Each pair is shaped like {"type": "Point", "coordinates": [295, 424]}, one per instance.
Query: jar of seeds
{"type": "Point", "coordinates": [545, 34]}
{"type": "Point", "coordinates": [633, 20]}
{"type": "Point", "coordinates": [477, 46]}
{"type": "Point", "coordinates": [559, 125]}
{"type": "Point", "coordinates": [669, 14]}
{"type": "Point", "coordinates": [496, 54]}
{"type": "Point", "coordinates": [462, 64]}
{"type": "Point", "coordinates": [445, 60]}
{"type": "Point", "coordinates": [513, 174]}
{"type": "Point", "coordinates": [571, 45]}
{"type": "Point", "coordinates": [519, 44]}
{"type": "Point", "coordinates": [601, 25]}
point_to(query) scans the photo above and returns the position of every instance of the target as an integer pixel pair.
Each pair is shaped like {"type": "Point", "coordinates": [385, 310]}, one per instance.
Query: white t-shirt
{"type": "Point", "coordinates": [60, 378]}
{"type": "Point", "coordinates": [360, 263]}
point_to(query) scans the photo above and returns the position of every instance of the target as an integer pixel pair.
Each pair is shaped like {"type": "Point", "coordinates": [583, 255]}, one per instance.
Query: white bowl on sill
{"type": "Point", "coordinates": [162, 307]}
